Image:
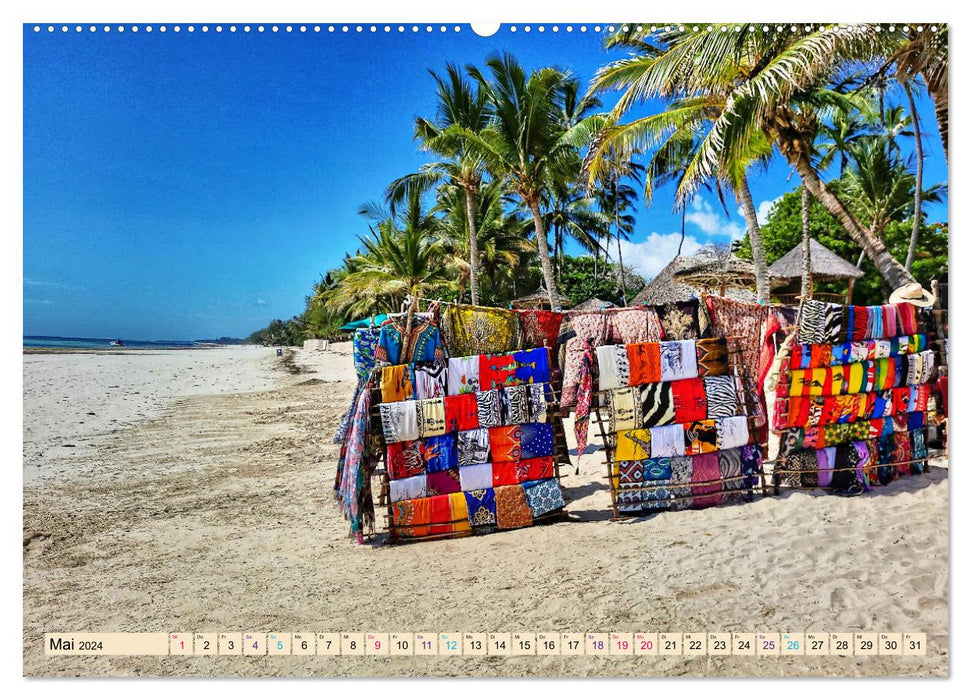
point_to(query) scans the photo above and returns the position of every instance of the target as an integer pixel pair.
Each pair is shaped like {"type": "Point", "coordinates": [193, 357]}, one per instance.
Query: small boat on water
{"type": "Point", "coordinates": [116, 344]}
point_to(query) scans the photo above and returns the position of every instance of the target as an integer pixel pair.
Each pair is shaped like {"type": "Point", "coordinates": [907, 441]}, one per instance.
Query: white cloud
{"type": "Point", "coordinates": [649, 257]}
{"type": "Point", "coordinates": [261, 302]}
{"type": "Point", "coordinates": [762, 212]}
{"type": "Point", "coordinates": [713, 223]}
{"type": "Point", "coordinates": [38, 301]}
{"type": "Point", "coordinates": [28, 282]}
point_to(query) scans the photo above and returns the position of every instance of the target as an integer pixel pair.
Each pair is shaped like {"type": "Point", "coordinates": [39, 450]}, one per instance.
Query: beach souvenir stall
{"type": "Point", "coordinates": [469, 446]}
{"type": "Point", "coordinates": [464, 419]}
{"type": "Point", "coordinates": [851, 389]}
{"type": "Point", "coordinates": [678, 432]}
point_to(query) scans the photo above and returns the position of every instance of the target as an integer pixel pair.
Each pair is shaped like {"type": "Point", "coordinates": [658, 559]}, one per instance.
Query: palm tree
{"type": "Point", "coordinates": [616, 198]}
{"type": "Point", "coordinates": [766, 70]}
{"type": "Point", "coordinates": [571, 213]}
{"type": "Point", "coordinates": [400, 260]}
{"type": "Point", "coordinates": [880, 185]}
{"type": "Point", "coordinates": [919, 180]}
{"type": "Point", "coordinates": [678, 133]}
{"type": "Point", "coordinates": [524, 144]}
{"type": "Point", "coordinates": [460, 106]}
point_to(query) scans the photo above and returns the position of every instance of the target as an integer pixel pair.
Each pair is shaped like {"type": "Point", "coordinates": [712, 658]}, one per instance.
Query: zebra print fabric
{"type": "Point", "coordinates": [721, 395]}
{"type": "Point", "coordinates": [657, 405]}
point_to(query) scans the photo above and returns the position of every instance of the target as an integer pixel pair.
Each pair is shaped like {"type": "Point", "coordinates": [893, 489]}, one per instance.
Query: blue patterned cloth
{"type": "Point", "coordinates": [481, 504]}
{"type": "Point", "coordinates": [657, 468]}
{"type": "Point", "coordinates": [532, 366]}
{"type": "Point", "coordinates": [365, 343]}
{"type": "Point", "coordinates": [537, 440]}
{"type": "Point", "coordinates": [543, 496]}
{"type": "Point", "coordinates": [440, 452]}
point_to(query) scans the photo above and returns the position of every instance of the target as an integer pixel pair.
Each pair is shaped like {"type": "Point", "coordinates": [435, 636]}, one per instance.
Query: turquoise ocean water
{"type": "Point", "coordinates": [47, 341]}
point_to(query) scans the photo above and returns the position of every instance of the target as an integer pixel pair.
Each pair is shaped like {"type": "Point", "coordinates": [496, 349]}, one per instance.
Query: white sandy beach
{"type": "Point", "coordinates": [191, 490]}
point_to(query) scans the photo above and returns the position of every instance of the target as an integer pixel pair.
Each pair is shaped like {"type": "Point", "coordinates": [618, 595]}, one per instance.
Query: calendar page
{"type": "Point", "coordinates": [523, 349]}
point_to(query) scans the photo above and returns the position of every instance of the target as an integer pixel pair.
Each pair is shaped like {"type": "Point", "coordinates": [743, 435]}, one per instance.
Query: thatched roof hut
{"type": "Point", "coordinates": [540, 299]}
{"type": "Point", "coordinates": [592, 304]}
{"type": "Point", "coordinates": [824, 264]}
{"type": "Point", "coordinates": [711, 270]}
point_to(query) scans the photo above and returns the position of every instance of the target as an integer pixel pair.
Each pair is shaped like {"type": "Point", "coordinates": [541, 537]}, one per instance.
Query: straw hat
{"type": "Point", "coordinates": [914, 294]}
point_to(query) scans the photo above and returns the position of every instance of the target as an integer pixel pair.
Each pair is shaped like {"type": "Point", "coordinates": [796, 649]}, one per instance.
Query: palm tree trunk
{"type": "Point", "coordinates": [544, 252]}
{"type": "Point", "coordinates": [620, 256]}
{"type": "Point", "coordinates": [940, 111]}
{"type": "Point", "coordinates": [919, 185]}
{"type": "Point", "coordinates": [473, 246]}
{"type": "Point", "coordinates": [755, 238]}
{"type": "Point", "coordinates": [807, 268]}
{"type": "Point", "coordinates": [891, 270]}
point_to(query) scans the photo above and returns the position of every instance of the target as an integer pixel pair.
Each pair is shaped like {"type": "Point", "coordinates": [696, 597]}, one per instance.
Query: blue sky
{"type": "Point", "coordinates": [190, 185]}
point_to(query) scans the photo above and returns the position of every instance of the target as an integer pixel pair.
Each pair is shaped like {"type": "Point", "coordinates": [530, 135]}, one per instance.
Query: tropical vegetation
{"type": "Point", "coordinates": [535, 184]}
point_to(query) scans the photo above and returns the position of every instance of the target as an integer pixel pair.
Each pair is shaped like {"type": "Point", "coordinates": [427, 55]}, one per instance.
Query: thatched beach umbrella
{"type": "Point", "coordinates": [540, 300]}
{"type": "Point", "coordinates": [711, 270]}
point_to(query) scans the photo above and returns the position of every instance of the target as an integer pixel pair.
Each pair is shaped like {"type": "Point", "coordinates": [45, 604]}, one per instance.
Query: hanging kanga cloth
{"type": "Point", "coordinates": [680, 320]}
{"type": "Point", "coordinates": [477, 330]}
{"type": "Point", "coordinates": [543, 496]}
{"type": "Point", "coordinates": [705, 468]}
{"type": "Point", "coordinates": [712, 356]}
{"type": "Point", "coordinates": [396, 383]}
{"type": "Point", "coordinates": [721, 396]}
{"type": "Point", "coordinates": [591, 327]}
{"type": "Point", "coordinates": [463, 375]}
{"type": "Point", "coordinates": [656, 404]}
{"type": "Point", "coordinates": [496, 371]}
{"type": "Point", "coordinates": [742, 321]}
{"type": "Point", "coordinates": [537, 440]}
{"type": "Point", "coordinates": [584, 400]}
{"type": "Point", "coordinates": [355, 468]}
{"type": "Point", "coordinates": [667, 441]}
{"type": "Point", "coordinates": [532, 366]}
{"type": "Point", "coordinates": [399, 421]}
{"type": "Point", "coordinates": [539, 328]}
{"type": "Point", "coordinates": [637, 324]}
{"type": "Point", "coordinates": [481, 506]}
{"type": "Point", "coordinates": [489, 406]}
{"type": "Point", "coordinates": [365, 342]}
{"type": "Point", "coordinates": [472, 446]}
{"type": "Point", "coordinates": [445, 481]}
{"type": "Point", "coordinates": [690, 401]}
{"type": "Point", "coordinates": [512, 508]}
{"type": "Point", "coordinates": [425, 346]}
{"type": "Point", "coordinates": [439, 452]}
{"type": "Point", "coordinates": [407, 489]}
{"type": "Point", "coordinates": [404, 459]}
{"type": "Point", "coordinates": [476, 476]}
{"type": "Point", "coordinates": [613, 366]}
{"type": "Point", "coordinates": [461, 413]}
{"type": "Point", "coordinates": [623, 406]}
{"type": "Point", "coordinates": [428, 380]}
{"type": "Point", "coordinates": [430, 415]}
{"type": "Point", "coordinates": [678, 360]}
{"type": "Point", "coordinates": [644, 363]}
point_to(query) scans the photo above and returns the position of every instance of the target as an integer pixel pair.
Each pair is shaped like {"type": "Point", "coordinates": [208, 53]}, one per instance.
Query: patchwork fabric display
{"type": "Point", "coordinates": [484, 452]}
{"type": "Point", "coordinates": [677, 433]}
{"type": "Point", "coordinates": [680, 320]}
{"type": "Point", "coordinates": [850, 404]}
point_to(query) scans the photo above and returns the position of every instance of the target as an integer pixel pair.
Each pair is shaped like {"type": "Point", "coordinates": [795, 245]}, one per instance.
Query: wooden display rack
{"type": "Point", "coordinates": [560, 456]}
{"type": "Point", "coordinates": [613, 472]}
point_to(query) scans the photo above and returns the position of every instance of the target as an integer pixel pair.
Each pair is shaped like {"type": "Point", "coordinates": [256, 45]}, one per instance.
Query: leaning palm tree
{"type": "Point", "coordinates": [460, 106]}
{"type": "Point", "coordinates": [524, 144]}
{"type": "Point", "coordinates": [758, 102]}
